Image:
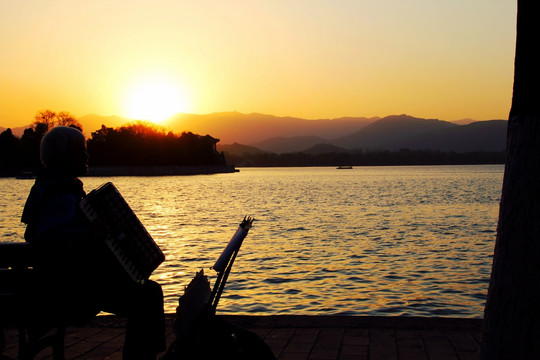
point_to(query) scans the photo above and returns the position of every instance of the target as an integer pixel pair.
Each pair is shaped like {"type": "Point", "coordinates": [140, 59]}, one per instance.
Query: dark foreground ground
{"type": "Point", "coordinates": [305, 337]}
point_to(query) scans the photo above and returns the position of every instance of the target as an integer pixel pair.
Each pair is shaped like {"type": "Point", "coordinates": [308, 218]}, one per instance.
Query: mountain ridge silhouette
{"type": "Point", "coordinates": [281, 134]}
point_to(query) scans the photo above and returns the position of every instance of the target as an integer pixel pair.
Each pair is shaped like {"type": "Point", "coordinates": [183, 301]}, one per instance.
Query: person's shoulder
{"type": "Point", "coordinates": [55, 185]}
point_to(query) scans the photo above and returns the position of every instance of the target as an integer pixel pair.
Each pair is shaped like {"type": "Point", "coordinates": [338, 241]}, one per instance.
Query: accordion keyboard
{"type": "Point", "coordinates": [128, 239]}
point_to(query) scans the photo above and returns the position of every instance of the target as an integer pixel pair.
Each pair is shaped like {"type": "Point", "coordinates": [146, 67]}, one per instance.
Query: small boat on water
{"type": "Point", "coordinates": [25, 175]}
{"type": "Point", "coordinates": [343, 167]}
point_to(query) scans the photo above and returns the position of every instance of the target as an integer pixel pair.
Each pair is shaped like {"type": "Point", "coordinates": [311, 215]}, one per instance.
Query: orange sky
{"type": "Point", "coordinates": [305, 58]}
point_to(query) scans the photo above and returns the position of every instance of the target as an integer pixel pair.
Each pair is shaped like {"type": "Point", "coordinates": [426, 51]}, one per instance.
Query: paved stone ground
{"type": "Point", "coordinates": [304, 337]}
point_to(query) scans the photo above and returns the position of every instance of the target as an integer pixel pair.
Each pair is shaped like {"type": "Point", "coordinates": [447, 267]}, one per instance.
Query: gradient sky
{"type": "Point", "coordinates": [446, 59]}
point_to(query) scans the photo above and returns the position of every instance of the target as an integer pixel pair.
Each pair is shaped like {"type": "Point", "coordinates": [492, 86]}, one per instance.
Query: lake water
{"type": "Point", "coordinates": [413, 240]}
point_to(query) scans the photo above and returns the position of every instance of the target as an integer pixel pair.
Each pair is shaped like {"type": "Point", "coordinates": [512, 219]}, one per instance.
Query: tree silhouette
{"type": "Point", "coordinates": [512, 312]}
{"type": "Point", "coordinates": [366, 158]}
{"type": "Point", "coordinates": [9, 150]}
{"type": "Point", "coordinates": [141, 144]}
{"type": "Point", "coordinates": [30, 142]}
{"type": "Point", "coordinates": [136, 144]}
{"type": "Point", "coordinates": [45, 117]}
{"type": "Point", "coordinates": [50, 119]}
{"type": "Point", "coordinates": [64, 118]}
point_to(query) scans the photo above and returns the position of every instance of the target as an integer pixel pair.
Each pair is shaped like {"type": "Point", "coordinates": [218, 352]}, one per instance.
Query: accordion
{"type": "Point", "coordinates": [128, 239]}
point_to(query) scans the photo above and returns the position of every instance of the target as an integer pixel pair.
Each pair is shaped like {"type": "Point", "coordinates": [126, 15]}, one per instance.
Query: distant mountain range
{"type": "Point", "coordinates": [231, 127]}
{"type": "Point", "coordinates": [400, 132]}
{"type": "Point", "coordinates": [240, 133]}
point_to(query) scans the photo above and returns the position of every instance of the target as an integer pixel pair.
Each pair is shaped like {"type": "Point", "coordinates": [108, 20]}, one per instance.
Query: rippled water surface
{"type": "Point", "coordinates": [371, 240]}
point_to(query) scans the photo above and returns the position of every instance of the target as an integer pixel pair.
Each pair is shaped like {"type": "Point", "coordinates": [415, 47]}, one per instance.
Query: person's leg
{"type": "Point", "coordinates": [145, 330]}
{"type": "Point", "coordinates": [143, 307]}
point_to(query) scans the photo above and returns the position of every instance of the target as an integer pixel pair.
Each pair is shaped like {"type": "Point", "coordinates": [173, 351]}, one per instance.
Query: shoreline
{"type": "Point", "coordinates": [320, 321]}
{"type": "Point", "coordinates": [96, 171]}
{"type": "Point", "coordinates": [159, 170]}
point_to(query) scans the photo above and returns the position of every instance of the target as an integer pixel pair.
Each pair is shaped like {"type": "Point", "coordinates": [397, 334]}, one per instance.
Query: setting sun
{"type": "Point", "coordinates": [148, 60]}
{"type": "Point", "coordinates": [154, 100]}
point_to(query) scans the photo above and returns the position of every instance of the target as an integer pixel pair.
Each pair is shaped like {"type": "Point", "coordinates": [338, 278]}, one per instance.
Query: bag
{"type": "Point", "coordinates": [200, 334]}
{"type": "Point", "coordinates": [219, 339]}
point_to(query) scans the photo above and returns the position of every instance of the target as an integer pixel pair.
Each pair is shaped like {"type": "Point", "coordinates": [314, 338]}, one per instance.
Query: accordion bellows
{"type": "Point", "coordinates": [128, 239]}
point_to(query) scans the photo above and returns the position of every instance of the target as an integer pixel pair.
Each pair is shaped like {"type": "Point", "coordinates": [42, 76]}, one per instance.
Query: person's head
{"type": "Point", "coordinates": [63, 149]}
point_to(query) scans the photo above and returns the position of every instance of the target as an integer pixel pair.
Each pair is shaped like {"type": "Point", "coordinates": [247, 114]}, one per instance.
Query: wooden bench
{"type": "Point", "coordinates": [18, 304]}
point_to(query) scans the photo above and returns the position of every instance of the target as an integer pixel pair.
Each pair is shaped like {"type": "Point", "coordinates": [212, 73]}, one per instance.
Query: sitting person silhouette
{"type": "Point", "coordinates": [80, 276]}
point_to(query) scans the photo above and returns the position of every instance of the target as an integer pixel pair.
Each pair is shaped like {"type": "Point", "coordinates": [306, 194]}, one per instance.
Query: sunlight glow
{"type": "Point", "coordinates": [154, 100]}
{"type": "Point", "coordinates": [341, 58]}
